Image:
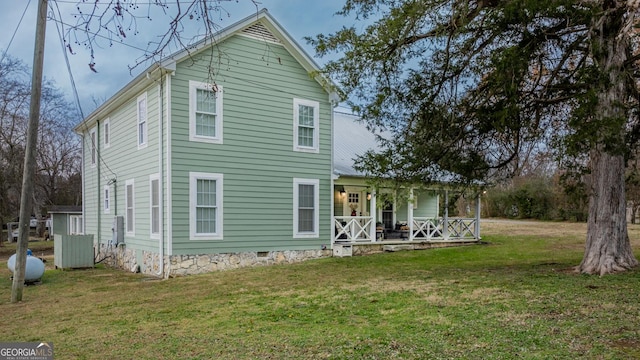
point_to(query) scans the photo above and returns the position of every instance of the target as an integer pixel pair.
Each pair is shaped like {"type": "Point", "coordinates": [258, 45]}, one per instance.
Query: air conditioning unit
{"type": "Point", "coordinates": [118, 230]}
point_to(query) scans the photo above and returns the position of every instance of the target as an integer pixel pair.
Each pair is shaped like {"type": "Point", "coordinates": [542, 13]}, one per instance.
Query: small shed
{"type": "Point", "coordinates": [66, 220]}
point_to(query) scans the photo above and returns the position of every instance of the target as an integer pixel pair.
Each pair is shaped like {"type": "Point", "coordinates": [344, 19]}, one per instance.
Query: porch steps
{"type": "Point", "coordinates": [398, 247]}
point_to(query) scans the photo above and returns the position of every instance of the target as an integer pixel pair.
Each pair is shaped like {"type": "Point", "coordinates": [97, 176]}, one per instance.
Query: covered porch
{"type": "Point", "coordinates": [363, 215]}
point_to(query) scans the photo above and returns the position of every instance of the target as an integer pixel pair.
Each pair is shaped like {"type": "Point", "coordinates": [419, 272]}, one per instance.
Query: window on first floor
{"type": "Point", "coordinates": [306, 207]}
{"type": "Point", "coordinates": [129, 204]}
{"type": "Point", "coordinates": [154, 205]}
{"type": "Point", "coordinates": [205, 206]}
{"type": "Point", "coordinates": [106, 199]}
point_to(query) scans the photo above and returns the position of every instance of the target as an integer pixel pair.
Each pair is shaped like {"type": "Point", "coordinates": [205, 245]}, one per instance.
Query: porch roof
{"type": "Point", "coordinates": [351, 139]}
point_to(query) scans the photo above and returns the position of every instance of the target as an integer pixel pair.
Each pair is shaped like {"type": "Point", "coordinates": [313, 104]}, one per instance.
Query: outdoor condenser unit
{"type": "Point", "coordinates": [118, 230]}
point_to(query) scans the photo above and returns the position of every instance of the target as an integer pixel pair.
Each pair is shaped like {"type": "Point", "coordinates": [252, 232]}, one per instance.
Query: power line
{"type": "Point", "coordinates": [74, 88]}
{"type": "Point", "coordinates": [4, 54]}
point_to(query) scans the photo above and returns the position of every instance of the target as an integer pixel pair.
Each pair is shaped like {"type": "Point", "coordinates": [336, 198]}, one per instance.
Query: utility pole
{"type": "Point", "coordinates": [26, 199]}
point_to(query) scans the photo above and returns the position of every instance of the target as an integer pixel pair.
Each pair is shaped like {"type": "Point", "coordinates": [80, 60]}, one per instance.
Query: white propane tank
{"type": "Point", "coordinates": [34, 269]}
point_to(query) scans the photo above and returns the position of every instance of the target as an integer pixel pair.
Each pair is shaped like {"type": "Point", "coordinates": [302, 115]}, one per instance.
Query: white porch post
{"type": "Point", "coordinates": [477, 228]}
{"type": "Point", "coordinates": [373, 213]}
{"type": "Point", "coordinates": [445, 218]}
{"type": "Point", "coordinates": [410, 214]}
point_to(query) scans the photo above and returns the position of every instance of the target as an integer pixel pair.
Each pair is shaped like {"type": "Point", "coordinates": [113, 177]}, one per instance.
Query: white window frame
{"type": "Point", "coordinates": [193, 87]}
{"type": "Point", "coordinates": [316, 125]}
{"type": "Point", "coordinates": [154, 178]}
{"type": "Point", "coordinates": [193, 193]}
{"type": "Point", "coordinates": [76, 225]}
{"type": "Point", "coordinates": [130, 221]}
{"type": "Point", "coordinates": [142, 121]}
{"type": "Point", "coordinates": [106, 199]}
{"type": "Point", "coordinates": [316, 215]}
{"type": "Point", "coordinates": [93, 153]}
{"type": "Point", "coordinates": [106, 130]}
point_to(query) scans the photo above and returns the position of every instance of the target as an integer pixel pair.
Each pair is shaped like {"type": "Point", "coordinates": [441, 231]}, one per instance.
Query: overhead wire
{"type": "Point", "coordinates": [74, 88]}
{"type": "Point", "coordinates": [4, 54]}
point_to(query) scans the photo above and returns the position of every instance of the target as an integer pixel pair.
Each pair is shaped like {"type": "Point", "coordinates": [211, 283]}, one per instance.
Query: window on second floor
{"type": "Point", "coordinates": [106, 129]}
{"type": "Point", "coordinates": [141, 114]}
{"type": "Point", "coordinates": [306, 119]}
{"type": "Point", "coordinates": [205, 112]}
{"type": "Point", "coordinates": [93, 145]}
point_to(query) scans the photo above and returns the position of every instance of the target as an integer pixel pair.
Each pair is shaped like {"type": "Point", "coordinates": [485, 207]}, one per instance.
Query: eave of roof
{"type": "Point", "coordinates": [169, 63]}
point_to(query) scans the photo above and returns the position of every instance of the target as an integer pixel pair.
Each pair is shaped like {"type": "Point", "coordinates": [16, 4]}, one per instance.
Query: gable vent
{"type": "Point", "coordinates": [260, 32]}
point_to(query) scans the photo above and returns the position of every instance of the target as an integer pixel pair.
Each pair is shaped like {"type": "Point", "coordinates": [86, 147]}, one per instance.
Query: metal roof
{"type": "Point", "coordinates": [351, 139]}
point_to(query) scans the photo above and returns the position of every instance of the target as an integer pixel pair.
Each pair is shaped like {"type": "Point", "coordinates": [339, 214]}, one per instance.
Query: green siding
{"type": "Point", "coordinates": [60, 224]}
{"type": "Point", "coordinates": [256, 157]}
{"type": "Point", "coordinates": [123, 161]}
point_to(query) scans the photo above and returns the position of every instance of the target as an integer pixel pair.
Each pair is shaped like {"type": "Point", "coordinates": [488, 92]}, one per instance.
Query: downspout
{"type": "Point", "coordinates": [99, 202]}
{"type": "Point", "coordinates": [477, 229]}
{"type": "Point", "coordinates": [160, 272]}
{"type": "Point", "coordinates": [84, 176]}
{"type": "Point", "coordinates": [332, 225]}
{"type": "Point", "coordinates": [410, 213]}
{"type": "Point", "coordinates": [445, 226]}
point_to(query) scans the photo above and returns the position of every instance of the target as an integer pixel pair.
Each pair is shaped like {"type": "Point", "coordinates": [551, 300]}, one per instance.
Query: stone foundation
{"type": "Point", "coordinates": [180, 265]}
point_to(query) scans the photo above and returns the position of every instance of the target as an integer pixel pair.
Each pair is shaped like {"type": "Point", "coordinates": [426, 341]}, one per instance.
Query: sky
{"type": "Point", "coordinates": [299, 18]}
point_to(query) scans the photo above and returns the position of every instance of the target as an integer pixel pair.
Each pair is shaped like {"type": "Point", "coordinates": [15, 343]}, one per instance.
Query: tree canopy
{"type": "Point", "coordinates": [475, 87]}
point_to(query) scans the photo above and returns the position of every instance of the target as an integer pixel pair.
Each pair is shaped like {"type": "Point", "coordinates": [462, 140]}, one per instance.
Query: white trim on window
{"type": "Point", "coordinates": [207, 205]}
{"type": "Point", "coordinates": [93, 153]}
{"type": "Point", "coordinates": [196, 133]}
{"type": "Point", "coordinates": [130, 208]}
{"type": "Point", "coordinates": [154, 205]}
{"type": "Point", "coordinates": [75, 225]}
{"type": "Point", "coordinates": [106, 133]}
{"type": "Point", "coordinates": [306, 142]}
{"type": "Point", "coordinates": [298, 228]}
{"type": "Point", "coordinates": [141, 116]}
{"type": "Point", "coordinates": [106, 199]}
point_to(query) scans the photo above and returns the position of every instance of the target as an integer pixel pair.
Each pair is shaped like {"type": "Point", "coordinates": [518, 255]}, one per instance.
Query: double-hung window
{"type": "Point", "coordinates": [106, 129]}
{"type": "Point", "coordinates": [106, 199]}
{"type": "Point", "coordinates": [205, 112]}
{"type": "Point", "coordinates": [154, 206]}
{"type": "Point", "coordinates": [129, 204]}
{"type": "Point", "coordinates": [141, 114]}
{"type": "Point", "coordinates": [306, 118]}
{"type": "Point", "coordinates": [93, 145]}
{"type": "Point", "coordinates": [305, 208]}
{"type": "Point", "coordinates": [205, 206]}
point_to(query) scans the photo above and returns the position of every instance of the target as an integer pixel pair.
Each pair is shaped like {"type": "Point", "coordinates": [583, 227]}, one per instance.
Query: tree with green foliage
{"type": "Point", "coordinates": [470, 88]}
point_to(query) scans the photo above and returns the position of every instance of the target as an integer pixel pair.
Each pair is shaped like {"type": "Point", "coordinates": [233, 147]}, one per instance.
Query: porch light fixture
{"type": "Point", "coordinates": [342, 191]}
{"type": "Point", "coordinates": [368, 196]}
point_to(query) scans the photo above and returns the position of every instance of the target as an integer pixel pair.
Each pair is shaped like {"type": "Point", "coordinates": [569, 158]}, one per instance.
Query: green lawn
{"type": "Point", "coordinates": [514, 297]}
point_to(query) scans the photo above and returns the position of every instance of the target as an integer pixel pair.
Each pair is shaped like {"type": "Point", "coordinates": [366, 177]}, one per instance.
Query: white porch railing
{"type": "Point", "coordinates": [358, 229]}
{"type": "Point", "coordinates": [353, 228]}
{"type": "Point", "coordinates": [436, 229]}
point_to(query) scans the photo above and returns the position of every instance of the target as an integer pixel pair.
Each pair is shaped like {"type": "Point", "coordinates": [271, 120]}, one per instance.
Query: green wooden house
{"type": "Point", "coordinates": [228, 155]}
{"type": "Point", "coordinates": [216, 157]}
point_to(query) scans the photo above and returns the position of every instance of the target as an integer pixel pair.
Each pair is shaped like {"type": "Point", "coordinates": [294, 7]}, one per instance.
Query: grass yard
{"type": "Point", "coordinates": [514, 297]}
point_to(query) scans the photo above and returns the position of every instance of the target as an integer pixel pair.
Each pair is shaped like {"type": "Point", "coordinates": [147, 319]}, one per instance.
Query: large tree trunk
{"type": "Point", "coordinates": [608, 248]}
